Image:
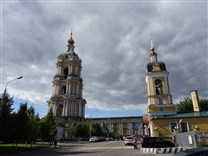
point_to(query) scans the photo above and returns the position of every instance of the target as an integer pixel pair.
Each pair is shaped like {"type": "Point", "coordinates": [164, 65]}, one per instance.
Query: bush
{"type": "Point", "coordinates": [203, 142]}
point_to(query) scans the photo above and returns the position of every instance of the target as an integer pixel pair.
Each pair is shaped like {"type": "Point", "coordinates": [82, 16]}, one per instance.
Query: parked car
{"type": "Point", "coordinates": [101, 138]}
{"type": "Point", "coordinates": [129, 140]}
{"type": "Point", "coordinates": [94, 139]}
{"type": "Point", "coordinates": [109, 139]}
{"type": "Point", "coordinates": [193, 152]}
{"type": "Point", "coordinates": [156, 142]}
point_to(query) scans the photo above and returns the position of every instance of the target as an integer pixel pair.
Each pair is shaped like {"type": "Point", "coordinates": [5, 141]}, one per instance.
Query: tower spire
{"type": "Point", "coordinates": [152, 46]}
{"type": "Point", "coordinates": [71, 43]}
{"type": "Point", "coordinates": [153, 55]}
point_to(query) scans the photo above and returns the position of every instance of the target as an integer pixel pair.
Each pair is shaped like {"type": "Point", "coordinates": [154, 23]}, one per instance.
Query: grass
{"type": "Point", "coordinates": [16, 148]}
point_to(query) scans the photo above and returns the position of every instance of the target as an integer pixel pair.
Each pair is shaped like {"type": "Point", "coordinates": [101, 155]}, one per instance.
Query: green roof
{"type": "Point", "coordinates": [67, 53]}
{"type": "Point", "coordinates": [188, 115]}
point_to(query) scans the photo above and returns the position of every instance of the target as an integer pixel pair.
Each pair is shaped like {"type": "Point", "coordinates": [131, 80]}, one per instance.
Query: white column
{"type": "Point", "coordinates": [66, 111]}
{"type": "Point", "coordinates": [80, 109]}
{"type": "Point", "coordinates": [166, 86]}
{"type": "Point", "coordinates": [53, 91]}
{"type": "Point", "coordinates": [75, 109]}
{"type": "Point", "coordinates": [54, 109]}
{"type": "Point", "coordinates": [67, 88]}
{"type": "Point", "coordinates": [63, 110]}
{"type": "Point", "coordinates": [59, 70]}
{"type": "Point", "coordinates": [70, 69]}
{"type": "Point", "coordinates": [55, 88]}
{"type": "Point", "coordinates": [151, 91]}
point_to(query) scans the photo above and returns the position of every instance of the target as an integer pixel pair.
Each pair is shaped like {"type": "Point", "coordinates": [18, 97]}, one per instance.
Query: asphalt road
{"type": "Point", "coordinates": [107, 148]}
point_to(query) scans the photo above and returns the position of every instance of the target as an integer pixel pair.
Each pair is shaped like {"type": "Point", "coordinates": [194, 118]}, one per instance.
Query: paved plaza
{"type": "Point", "coordinates": [108, 148]}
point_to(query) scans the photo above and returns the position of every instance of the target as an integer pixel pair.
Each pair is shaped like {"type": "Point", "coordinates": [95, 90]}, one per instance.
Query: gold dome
{"type": "Point", "coordinates": [71, 41]}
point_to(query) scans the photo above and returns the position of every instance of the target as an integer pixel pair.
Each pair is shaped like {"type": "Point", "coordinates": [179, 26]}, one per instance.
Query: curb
{"type": "Point", "coordinates": [169, 150]}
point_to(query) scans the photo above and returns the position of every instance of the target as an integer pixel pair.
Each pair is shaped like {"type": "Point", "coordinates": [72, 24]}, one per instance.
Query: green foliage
{"type": "Point", "coordinates": [187, 106]}
{"type": "Point", "coordinates": [115, 135]}
{"type": "Point", "coordinates": [78, 130]}
{"type": "Point", "coordinates": [203, 143]}
{"type": "Point", "coordinates": [33, 127]}
{"type": "Point", "coordinates": [6, 119]}
{"type": "Point", "coordinates": [204, 104]}
{"type": "Point", "coordinates": [21, 124]}
{"type": "Point", "coordinates": [24, 125]}
{"type": "Point", "coordinates": [96, 130]}
{"type": "Point", "coordinates": [48, 127]}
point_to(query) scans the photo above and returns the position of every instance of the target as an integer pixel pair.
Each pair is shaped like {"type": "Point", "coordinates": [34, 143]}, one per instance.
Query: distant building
{"type": "Point", "coordinates": [122, 125]}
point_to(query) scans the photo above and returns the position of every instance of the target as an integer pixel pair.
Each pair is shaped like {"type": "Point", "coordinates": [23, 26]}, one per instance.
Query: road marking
{"type": "Point", "coordinates": [118, 147]}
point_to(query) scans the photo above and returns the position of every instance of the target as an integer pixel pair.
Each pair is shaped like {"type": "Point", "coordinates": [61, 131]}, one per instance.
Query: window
{"type": "Point", "coordinates": [66, 70]}
{"type": "Point", "coordinates": [173, 126]}
{"type": "Point", "coordinates": [184, 127]}
{"type": "Point", "coordinates": [158, 87]}
{"type": "Point", "coordinates": [63, 90]}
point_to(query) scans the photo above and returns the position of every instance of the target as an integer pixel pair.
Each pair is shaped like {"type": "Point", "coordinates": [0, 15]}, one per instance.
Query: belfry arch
{"type": "Point", "coordinates": [65, 72]}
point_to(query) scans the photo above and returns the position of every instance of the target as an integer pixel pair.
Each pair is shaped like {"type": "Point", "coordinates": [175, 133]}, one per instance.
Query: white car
{"type": "Point", "coordinates": [129, 140]}
{"type": "Point", "coordinates": [94, 139]}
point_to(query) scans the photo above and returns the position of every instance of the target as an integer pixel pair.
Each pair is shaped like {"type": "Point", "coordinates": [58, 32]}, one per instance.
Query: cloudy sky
{"type": "Point", "coordinates": [113, 40]}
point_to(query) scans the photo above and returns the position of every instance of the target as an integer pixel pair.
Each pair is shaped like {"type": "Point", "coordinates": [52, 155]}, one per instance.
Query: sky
{"type": "Point", "coordinates": [113, 40]}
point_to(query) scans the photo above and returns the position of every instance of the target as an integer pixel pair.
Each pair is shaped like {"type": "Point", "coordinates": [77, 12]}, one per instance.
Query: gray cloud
{"type": "Point", "coordinates": [113, 41]}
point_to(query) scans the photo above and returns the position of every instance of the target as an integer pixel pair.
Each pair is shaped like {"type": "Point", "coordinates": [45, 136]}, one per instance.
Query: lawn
{"type": "Point", "coordinates": [16, 148]}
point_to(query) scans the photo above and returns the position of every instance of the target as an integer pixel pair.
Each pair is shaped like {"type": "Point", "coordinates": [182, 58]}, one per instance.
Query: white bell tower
{"type": "Point", "coordinates": [66, 100]}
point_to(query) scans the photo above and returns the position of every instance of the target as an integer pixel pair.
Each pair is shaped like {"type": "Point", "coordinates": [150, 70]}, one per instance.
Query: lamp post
{"type": "Point", "coordinates": [20, 77]}
{"type": "Point", "coordinates": [91, 123]}
{"type": "Point", "coordinates": [3, 98]}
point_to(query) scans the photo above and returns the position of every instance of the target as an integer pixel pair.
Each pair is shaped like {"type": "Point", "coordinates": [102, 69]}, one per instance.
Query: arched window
{"type": "Point", "coordinates": [59, 110]}
{"type": "Point", "coordinates": [66, 70]}
{"type": "Point", "coordinates": [63, 90]}
{"type": "Point", "coordinates": [158, 87]}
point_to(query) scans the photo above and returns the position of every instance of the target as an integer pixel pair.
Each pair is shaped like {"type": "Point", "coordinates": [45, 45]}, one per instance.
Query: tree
{"type": "Point", "coordinates": [204, 104]}
{"type": "Point", "coordinates": [78, 130]}
{"type": "Point", "coordinates": [21, 124]}
{"type": "Point", "coordinates": [48, 127]}
{"type": "Point", "coordinates": [6, 118]}
{"type": "Point", "coordinates": [187, 106]}
{"type": "Point", "coordinates": [33, 124]}
{"type": "Point", "coordinates": [97, 130]}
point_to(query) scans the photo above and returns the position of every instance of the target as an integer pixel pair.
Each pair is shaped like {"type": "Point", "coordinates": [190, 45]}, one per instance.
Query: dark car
{"type": "Point", "coordinates": [156, 142]}
{"type": "Point", "coordinates": [193, 152]}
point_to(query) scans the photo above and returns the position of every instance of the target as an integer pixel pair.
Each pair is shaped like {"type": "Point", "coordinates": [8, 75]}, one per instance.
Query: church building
{"type": "Point", "coordinates": [158, 88]}
{"type": "Point", "coordinates": [162, 119]}
{"type": "Point", "coordinates": [66, 101]}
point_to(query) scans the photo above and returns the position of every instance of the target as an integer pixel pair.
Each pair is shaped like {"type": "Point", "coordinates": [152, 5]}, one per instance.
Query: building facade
{"type": "Point", "coordinates": [162, 119]}
{"type": "Point", "coordinates": [169, 126]}
{"type": "Point", "coordinates": [66, 101]}
{"type": "Point", "coordinates": [122, 125]}
{"type": "Point", "coordinates": [158, 89]}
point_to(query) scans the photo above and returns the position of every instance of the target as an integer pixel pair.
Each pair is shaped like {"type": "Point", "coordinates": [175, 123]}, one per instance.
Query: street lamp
{"type": "Point", "coordinates": [91, 123]}
{"type": "Point", "coordinates": [3, 98]}
{"type": "Point", "coordinates": [20, 77]}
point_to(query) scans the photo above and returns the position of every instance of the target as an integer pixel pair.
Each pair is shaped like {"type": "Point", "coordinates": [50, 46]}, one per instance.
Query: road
{"type": "Point", "coordinates": [108, 148]}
